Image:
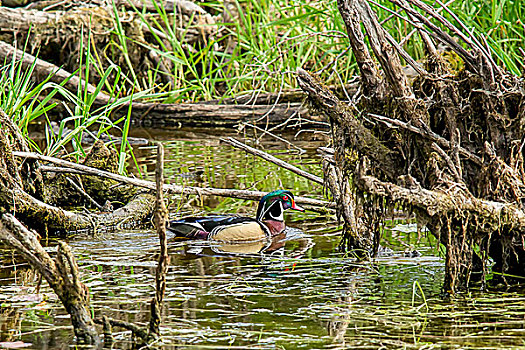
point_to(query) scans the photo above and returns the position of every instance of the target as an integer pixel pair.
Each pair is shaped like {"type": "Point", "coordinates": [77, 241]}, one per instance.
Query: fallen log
{"type": "Point", "coordinates": [150, 114]}
{"type": "Point", "coordinates": [45, 70]}
{"type": "Point", "coordinates": [197, 114]}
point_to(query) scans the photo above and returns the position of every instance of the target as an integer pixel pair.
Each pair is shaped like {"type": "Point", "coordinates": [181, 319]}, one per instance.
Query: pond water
{"type": "Point", "coordinates": [299, 293]}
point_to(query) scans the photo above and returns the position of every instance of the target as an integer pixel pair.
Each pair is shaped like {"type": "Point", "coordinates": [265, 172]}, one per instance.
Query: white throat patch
{"type": "Point", "coordinates": [279, 217]}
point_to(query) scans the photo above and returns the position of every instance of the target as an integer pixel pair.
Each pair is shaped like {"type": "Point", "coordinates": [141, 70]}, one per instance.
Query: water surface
{"type": "Point", "coordinates": [299, 293]}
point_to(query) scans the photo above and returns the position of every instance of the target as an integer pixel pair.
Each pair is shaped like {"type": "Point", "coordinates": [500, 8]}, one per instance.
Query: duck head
{"type": "Point", "coordinates": [271, 209]}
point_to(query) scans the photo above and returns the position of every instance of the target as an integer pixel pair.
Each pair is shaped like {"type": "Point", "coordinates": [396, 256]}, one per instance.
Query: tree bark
{"type": "Point", "coordinates": [448, 147]}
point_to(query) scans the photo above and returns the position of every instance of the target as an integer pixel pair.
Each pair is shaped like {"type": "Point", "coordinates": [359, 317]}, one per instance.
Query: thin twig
{"type": "Point", "coordinates": [275, 136]}
{"type": "Point", "coordinates": [176, 189]}
{"type": "Point", "coordinates": [235, 143]}
{"type": "Point", "coordinates": [424, 36]}
{"type": "Point", "coordinates": [84, 193]}
{"type": "Point", "coordinates": [429, 134]}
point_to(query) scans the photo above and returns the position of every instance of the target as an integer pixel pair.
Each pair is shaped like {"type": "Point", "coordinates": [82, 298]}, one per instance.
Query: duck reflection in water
{"type": "Point", "coordinates": [274, 246]}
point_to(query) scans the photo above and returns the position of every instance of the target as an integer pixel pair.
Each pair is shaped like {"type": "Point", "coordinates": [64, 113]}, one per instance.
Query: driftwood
{"type": "Point", "coordinates": [66, 166]}
{"type": "Point", "coordinates": [45, 69]}
{"type": "Point", "coordinates": [447, 147]}
{"type": "Point", "coordinates": [61, 273]}
{"type": "Point", "coordinates": [200, 114]}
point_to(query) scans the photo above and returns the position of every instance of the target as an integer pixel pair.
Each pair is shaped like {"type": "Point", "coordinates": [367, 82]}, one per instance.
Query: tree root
{"type": "Point", "coordinates": [448, 147]}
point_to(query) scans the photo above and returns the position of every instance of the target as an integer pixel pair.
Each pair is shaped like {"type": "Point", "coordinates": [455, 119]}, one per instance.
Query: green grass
{"type": "Point", "coordinates": [270, 39]}
{"type": "Point", "coordinates": [26, 103]}
{"type": "Point", "coordinates": [275, 37]}
{"type": "Point", "coordinates": [500, 24]}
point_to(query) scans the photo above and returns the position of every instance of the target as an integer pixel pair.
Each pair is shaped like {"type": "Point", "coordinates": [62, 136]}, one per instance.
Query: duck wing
{"type": "Point", "coordinates": [201, 227]}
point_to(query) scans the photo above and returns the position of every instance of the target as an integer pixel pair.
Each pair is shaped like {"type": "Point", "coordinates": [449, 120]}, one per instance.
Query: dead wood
{"type": "Point", "coordinates": [61, 273]}
{"type": "Point", "coordinates": [347, 209]}
{"type": "Point", "coordinates": [64, 30]}
{"type": "Point", "coordinates": [342, 118]}
{"type": "Point", "coordinates": [161, 219]}
{"type": "Point", "coordinates": [67, 166]}
{"type": "Point", "coordinates": [147, 114]}
{"type": "Point", "coordinates": [367, 67]}
{"type": "Point", "coordinates": [197, 114]}
{"type": "Point", "coordinates": [448, 147]}
{"type": "Point", "coordinates": [48, 218]}
{"type": "Point", "coordinates": [36, 213]}
{"type": "Point", "coordinates": [235, 143]}
{"type": "Point", "coordinates": [61, 190]}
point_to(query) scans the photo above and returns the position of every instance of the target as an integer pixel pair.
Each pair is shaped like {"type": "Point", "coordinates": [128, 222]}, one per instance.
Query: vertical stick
{"type": "Point", "coordinates": [161, 217]}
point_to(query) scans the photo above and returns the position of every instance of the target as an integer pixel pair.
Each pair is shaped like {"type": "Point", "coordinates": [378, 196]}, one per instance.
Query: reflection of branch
{"type": "Point", "coordinates": [136, 330]}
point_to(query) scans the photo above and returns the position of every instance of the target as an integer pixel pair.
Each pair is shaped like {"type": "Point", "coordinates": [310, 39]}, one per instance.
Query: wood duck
{"type": "Point", "coordinates": [268, 222]}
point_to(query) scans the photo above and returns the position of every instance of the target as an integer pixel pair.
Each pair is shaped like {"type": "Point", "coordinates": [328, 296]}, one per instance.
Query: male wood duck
{"type": "Point", "coordinates": [268, 222]}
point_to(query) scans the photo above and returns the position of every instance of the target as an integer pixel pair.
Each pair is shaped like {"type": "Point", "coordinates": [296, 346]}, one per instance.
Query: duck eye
{"type": "Point", "coordinates": [285, 198]}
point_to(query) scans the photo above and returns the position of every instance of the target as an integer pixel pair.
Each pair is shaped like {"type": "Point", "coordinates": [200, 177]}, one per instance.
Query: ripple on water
{"type": "Point", "coordinates": [302, 293]}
